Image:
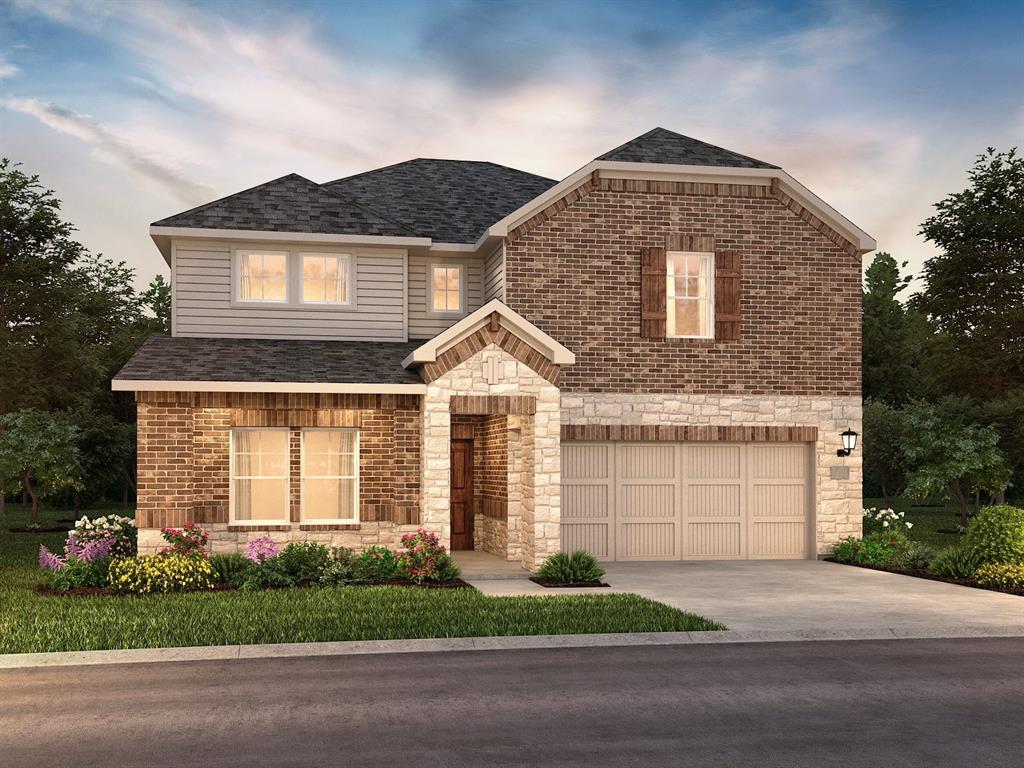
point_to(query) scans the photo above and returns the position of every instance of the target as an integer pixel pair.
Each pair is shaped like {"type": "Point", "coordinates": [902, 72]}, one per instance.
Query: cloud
{"type": "Point", "coordinates": [110, 146]}
{"type": "Point", "coordinates": [7, 69]}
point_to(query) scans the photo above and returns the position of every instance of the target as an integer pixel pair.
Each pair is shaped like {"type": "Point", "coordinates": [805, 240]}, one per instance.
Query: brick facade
{"type": "Point", "coordinates": [576, 274]}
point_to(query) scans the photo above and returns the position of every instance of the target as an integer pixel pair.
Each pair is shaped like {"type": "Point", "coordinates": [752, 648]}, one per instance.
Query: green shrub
{"type": "Point", "coordinates": [956, 562]}
{"type": "Point", "coordinates": [887, 549]}
{"type": "Point", "coordinates": [424, 559]}
{"type": "Point", "coordinates": [267, 574]}
{"type": "Point", "coordinates": [171, 572]}
{"type": "Point", "coordinates": [304, 561]}
{"type": "Point", "coordinates": [996, 535]}
{"type": "Point", "coordinates": [376, 563]}
{"type": "Point", "coordinates": [76, 574]}
{"type": "Point", "coordinates": [230, 568]}
{"type": "Point", "coordinates": [1001, 576]}
{"type": "Point", "coordinates": [344, 569]}
{"type": "Point", "coordinates": [571, 568]}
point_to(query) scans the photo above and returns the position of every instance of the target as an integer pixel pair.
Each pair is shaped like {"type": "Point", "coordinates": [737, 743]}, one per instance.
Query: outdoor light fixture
{"type": "Point", "coordinates": [849, 443]}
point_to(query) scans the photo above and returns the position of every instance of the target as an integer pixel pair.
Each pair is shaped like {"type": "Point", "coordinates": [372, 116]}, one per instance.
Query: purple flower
{"type": "Point", "coordinates": [49, 560]}
{"type": "Point", "coordinates": [72, 548]}
{"type": "Point", "coordinates": [96, 549]}
{"type": "Point", "coordinates": [263, 548]}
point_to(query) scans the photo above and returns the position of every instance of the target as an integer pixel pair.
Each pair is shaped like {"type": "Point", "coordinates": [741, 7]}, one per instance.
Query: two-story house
{"type": "Point", "coordinates": [652, 358]}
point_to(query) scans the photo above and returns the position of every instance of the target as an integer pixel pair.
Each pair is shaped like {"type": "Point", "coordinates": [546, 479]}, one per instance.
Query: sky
{"type": "Point", "coordinates": [133, 111]}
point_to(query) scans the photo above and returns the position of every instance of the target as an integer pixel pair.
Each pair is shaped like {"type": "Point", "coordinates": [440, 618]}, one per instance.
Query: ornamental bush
{"type": "Point", "coordinates": [375, 564]}
{"type": "Point", "coordinates": [577, 567]}
{"type": "Point", "coordinates": [230, 568]}
{"type": "Point", "coordinates": [879, 520]}
{"type": "Point", "coordinates": [887, 549]}
{"type": "Point", "coordinates": [1001, 576]}
{"type": "Point", "coordinates": [424, 559]}
{"type": "Point", "coordinates": [190, 539]}
{"type": "Point", "coordinates": [956, 562]}
{"type": "Point", "coordinates": [304, 561]}
{"type": "Point", "coordinates": [996, 535]}
{"type": "Point", "coordinates": [167, 572]}
{"type": "Point", "coordinates": [82, 567]}
{"type": "Point", "coordinates": [121, 529]}
{"type": "Point", "coordinates": [262, 548]}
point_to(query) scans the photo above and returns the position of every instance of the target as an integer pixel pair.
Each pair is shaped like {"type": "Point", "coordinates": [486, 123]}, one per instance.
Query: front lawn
{"type": "Point", "coordinates": [34, 623]}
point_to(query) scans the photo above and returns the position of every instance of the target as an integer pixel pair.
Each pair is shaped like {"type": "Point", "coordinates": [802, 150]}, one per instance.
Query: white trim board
{"type": "Point", "coordinates": [146, 385]}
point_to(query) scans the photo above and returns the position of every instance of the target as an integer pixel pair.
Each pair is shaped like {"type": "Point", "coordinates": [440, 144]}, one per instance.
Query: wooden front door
{"type": "Point", "coordinates": [462, 494]}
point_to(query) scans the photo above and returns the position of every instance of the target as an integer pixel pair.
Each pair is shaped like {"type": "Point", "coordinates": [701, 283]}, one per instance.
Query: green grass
{"type": "Point", "coordinates": [33, 623]}
{"type": "Point", "coordinates": [927, 521]}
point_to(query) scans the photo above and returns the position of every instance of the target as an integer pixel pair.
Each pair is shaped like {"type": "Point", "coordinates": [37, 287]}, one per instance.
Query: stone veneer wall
{"type": "Point", "coordinates": [183, 463]}
{"type": "Point", "coordinates": [838, 500]}
{"type": "Point", "coordinates": [534, 491]}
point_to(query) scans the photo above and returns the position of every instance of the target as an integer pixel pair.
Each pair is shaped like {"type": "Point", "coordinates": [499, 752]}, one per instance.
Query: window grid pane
{"type": "Point", "coordinates": [325, 279]}
{"type": "Point", "coordinates": [330, 474]}
{"type": "Point", "coordinates": [263, 277]}
{"type": "Point", "coordinates": [446, 289]}
{"type": "Point", "coordinates": [259, 475]}
{"type": "Point", "coordinates": [688, 289]}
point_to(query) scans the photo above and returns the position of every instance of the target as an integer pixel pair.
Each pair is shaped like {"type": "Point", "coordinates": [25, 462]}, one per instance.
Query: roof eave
{"type": "Point", "coordinates": [170, 385]}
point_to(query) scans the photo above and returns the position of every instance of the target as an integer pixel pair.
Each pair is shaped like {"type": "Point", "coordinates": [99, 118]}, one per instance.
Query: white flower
{"type": "Point", "coordinates": [910, 525]}
{"type": "Point", "coordinates": [885, 523]}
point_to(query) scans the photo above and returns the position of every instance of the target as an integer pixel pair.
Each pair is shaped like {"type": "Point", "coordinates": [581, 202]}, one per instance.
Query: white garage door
{"type": "Point", "coordinates": [691, 501]}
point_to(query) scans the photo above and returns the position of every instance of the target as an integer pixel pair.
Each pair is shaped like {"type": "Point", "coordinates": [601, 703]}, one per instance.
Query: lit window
{"type": "Point", "coordinates": [263, 277]}
{"type": "Point", "coordinates": [326, 278]}
{"type": "Point", "coordinates": [446, 288]}
{"type": "Point", "coordinates": [259, 475]}
{"type": "Point", "coordinates": [690, 301]}
{"type": "Point", "coordinates": [330, 475]}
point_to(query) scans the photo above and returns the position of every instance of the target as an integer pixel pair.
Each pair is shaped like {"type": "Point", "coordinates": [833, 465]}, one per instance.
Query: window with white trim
{"type": "Point", "coordinates": [259, 476]}
{"type": "Point", "coordinates": [446, 288]}
{"type": "Point", "coordinates": [263, 276]}
{"type": "Point", "coordinates": [326, 278]}
{"type": "Point", "coordinates": [690, 295]}
{"type": "Point", "coordinates": [330, 475]}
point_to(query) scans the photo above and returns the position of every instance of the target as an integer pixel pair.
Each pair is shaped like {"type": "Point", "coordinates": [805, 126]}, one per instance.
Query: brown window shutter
{"type": "Point", "coordinates": [653, 271]}
{"type": "Point", "coordinates": [727, 295]}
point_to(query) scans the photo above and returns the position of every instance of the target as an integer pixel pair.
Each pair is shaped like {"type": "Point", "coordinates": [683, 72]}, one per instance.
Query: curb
{"type": "Point", "coordinates": [439, 645]}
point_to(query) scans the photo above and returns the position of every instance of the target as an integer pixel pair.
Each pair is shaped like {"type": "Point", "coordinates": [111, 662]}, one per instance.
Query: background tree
{"type": "Point", "coordinates": [157, 298]}
{"type": "Point", "coordinates": [38, 452]}
{"type": "Point", "coordinates": [975, 287]}
{"type": "Point", "coordinates": [893, 335]}
{"type": "Point", "coordinates": [950, 458]}
{"type": "Point", "coordinates": [886, 465]}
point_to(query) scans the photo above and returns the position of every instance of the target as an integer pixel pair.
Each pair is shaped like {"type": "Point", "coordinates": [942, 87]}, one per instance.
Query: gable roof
{"type": "Point", "coordinates": [450, 201]}
{"type": "Point", "coordinates": [288, 204]}
{"type": "Point", "coordinates": [669, 148]}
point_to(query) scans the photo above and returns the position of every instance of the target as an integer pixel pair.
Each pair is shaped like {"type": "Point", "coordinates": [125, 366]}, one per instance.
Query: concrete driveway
{"type": "Point", "coordinates": [820, 599]}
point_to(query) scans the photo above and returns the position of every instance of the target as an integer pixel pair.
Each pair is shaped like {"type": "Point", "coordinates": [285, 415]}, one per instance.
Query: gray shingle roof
{"type": "Point", "coordinates": [166, 358]}
{"type": "Point", "coordinates": [663, 146]}
{"type": "Point", "coordinates": [451, 201]}
{"type": "Point", "coordinates": [288, 204]}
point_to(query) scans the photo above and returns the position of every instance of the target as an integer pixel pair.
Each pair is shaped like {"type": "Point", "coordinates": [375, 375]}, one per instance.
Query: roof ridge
{"type": "Point", "coordinates": [201, 206]}
{"type": "Point", "coordinates": [437, 160]}
{"type": "Point", "coordinates": [359, 204]}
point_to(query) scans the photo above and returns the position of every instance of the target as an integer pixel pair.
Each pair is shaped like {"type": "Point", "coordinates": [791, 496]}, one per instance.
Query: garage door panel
{"type": "Point", "coordinates": [714, 540]}
{"type": "Point", "coordinates": [585, 501]}
{"type": "Point", "coordinates": [648, 541]}
{"type": "Point", "coordinates": [646, 462]}
{"type": "Point", "coordinates": [648, 501]}
{"type": "Point", "coordinates": [714, 500]}
{"type": "Point", "coordinates": [779, 540]}
{"type": "Point", "coordinates": [592, 537]}
{"type": "Point", "coordinates": [778, 462]}
{"type": "Point", "coordinates": [586, 461]}
{"type": "Point", "coordinates": [587, 497]}
{"type": "Point", "coordinates": [707, 462]}
{"type": "Point", "coordinates": [788, 500]}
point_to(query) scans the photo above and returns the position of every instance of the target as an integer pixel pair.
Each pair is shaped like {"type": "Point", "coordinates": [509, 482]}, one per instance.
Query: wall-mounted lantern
{"type": "Point", "coordinates": [849, 443]}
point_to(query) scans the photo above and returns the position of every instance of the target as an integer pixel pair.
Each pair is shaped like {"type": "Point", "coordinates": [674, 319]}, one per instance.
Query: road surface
{"type": "Point", "coordinates": [887, 703]}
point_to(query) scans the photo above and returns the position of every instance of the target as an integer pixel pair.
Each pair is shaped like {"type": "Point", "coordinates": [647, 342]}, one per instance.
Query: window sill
{"type": "Point", "coordinates": [329, 526]}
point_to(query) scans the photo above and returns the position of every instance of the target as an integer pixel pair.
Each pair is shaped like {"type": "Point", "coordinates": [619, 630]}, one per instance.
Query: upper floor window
{"type": "Point", "coordinates": [690, 309]}
{"type": "Point", "coordinates": [326, 278]}
{"type": "Point", "coordinates": [263, 276]}
{"type": "Point", "coordinates": [447, 287]}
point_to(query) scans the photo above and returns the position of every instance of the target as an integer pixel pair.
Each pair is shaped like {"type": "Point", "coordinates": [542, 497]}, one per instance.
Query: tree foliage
{"type": "Point", "coordinates": [886, 465]}
{"type": "Point", "coordinates": [975, 286]}
{"type": "Point", "coordinates": [39, 452]}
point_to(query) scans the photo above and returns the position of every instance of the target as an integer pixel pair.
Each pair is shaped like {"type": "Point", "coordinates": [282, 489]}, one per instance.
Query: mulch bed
{"type": "Point", "coordinates": [108, 592]}
{"type": "Point", "coordinates": [567, 585]}
{"type": "Point", "coordinates": [932, 577]}
{"type": "Point", "coordinates": [40, 529]}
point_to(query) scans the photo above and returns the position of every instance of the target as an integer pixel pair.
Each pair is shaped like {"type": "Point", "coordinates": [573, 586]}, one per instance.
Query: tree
{"type": "Point", "coordinates": [106, 447]}
{"type": "Point", "coordinates": [949, 458]}
{"type": "Point", "coordinates": [157, 298]}
{"type": "Point", "coordinates": [892, 335]}
{"type": "Point", "coordinates": [975, 287]}
{"type": "Point", "coordinates": [885, 459]}
{"type": "Point", "coordinates": [38, 452]}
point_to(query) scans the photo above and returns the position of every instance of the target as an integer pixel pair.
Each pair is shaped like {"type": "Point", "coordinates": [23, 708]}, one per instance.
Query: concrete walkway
{"type": "Point", "coordinates": [810, 596]}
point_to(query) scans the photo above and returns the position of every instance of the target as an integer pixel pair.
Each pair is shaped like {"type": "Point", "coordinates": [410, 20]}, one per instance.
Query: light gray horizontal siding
{"type": "Point", "coordinates": [494, 275]}
{"type": "Point", "coordinates": [202, 300]}
{"type": "Point", "coordinates": [421, 325]}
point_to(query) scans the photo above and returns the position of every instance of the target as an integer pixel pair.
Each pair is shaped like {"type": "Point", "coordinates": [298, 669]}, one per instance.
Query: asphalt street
{"type": "Point", "coordinates": [846, 703]}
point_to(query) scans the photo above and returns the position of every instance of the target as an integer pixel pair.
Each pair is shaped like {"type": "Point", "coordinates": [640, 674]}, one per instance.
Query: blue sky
{"type": "Point", "coordinates": [136, 110]}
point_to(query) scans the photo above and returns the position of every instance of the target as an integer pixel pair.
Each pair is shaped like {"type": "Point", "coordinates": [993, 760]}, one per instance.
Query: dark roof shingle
{"type": "Point", "coordinates": [451, 201]}
{"type": "Point", "coordinates": [662, 146]}
{"type": "Point", "coordinates": [179, 358]}
{"type": "Point", "coordinates": [288, 204]}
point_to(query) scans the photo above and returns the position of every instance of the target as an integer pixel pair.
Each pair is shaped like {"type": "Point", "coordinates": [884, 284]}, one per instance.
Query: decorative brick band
{"type": "Point", "coordinates": [811, 220]}
{"type": "Point", "coordinates": [283, 400]}
{"type": "Point", "coordinates": [494, 405]}
{"type": "Point", "coordinates": [704, 189]}
{"type": "Point", "coordinates": [328, 527]}
{"type": "Point", "coordinates": [691, 432]}
{"type": "Point", "coordinates": [554, 208]}
{"type": "Point", "coordinates": [258, 528]}
{"type": "Point", "coordinates": [505, 339]}
{"type": "Point", "coordinates": [294, 418]}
